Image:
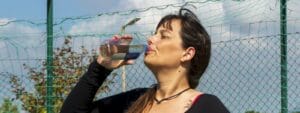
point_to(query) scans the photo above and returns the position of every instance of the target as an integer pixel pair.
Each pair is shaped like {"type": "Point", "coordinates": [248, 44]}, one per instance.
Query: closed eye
{"type": "Point", "coordinates": [163, 36]}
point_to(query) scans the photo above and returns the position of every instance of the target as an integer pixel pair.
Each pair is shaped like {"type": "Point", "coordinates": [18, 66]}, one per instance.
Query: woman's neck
{"type": "Point", "coordinates": [171, 82]}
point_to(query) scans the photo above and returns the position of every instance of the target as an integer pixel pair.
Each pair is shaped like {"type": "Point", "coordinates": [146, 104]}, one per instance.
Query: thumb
{"type": "Point", "coordinates": [129, 62]}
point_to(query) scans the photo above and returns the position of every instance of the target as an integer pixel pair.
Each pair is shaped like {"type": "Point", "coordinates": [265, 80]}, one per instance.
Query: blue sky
{"type": "Point", "coordinates": [224, 20]}
{"type": "Point", "coordinates": [22, 9]}
{"type": "Point", "coordinates": [36, 9]}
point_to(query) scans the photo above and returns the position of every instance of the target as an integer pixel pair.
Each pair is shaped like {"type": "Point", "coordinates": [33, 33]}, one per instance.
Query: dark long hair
{"type": "Point", "coordinates": [192, 34]}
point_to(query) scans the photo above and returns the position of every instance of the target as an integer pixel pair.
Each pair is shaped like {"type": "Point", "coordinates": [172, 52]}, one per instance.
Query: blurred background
{"type": "Point", "coordinates": [255, 50]}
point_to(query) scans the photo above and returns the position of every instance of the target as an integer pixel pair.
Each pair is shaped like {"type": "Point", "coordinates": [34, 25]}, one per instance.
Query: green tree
{"type": "Point", "coordinates": [69, 65]}
{"type": "Point", "coordinates": [8, 107]}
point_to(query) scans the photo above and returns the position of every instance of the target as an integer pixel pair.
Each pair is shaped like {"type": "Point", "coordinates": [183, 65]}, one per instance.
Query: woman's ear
{"type": "Point", "coordinates": [188, 54]}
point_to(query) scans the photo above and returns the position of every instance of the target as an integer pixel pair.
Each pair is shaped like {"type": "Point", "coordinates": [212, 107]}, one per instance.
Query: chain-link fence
{"type": "Point", "coordinates": [244, 71]}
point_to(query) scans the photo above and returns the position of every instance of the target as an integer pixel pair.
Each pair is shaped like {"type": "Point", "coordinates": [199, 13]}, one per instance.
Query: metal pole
{"type": "Point", "coordinates": [122, 31]}
{"type": "Point", "coordinates": [49, 57]}
{"type": "Point", "coordinates": [123, 78]}
{"type": "Point", "coordinates": [283, 58]}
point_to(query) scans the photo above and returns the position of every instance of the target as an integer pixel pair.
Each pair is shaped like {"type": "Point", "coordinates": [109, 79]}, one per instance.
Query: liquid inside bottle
{"type": "Point", "coordinates": [121, 52]}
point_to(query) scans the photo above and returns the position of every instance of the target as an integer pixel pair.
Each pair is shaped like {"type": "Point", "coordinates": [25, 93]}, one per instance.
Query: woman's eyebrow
{"type": "Point", "coordinates": [164, 31]}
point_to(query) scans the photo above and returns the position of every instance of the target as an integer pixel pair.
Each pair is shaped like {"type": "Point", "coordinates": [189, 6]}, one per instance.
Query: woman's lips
{"type": "Point", "coordinates": [149, 50]}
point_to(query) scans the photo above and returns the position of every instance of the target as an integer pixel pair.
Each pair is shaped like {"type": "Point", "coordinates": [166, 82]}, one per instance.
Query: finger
{"type": "Point", "coordinates": [100, 51]}
{"type": "Point", "coordinates": [126, 39]}
{"type": "Point", "coordinates": [126, 36]}
{"type": "Point", "coordinates": [129, 62]}
{"type": "Point", "coordinates": [116, 36]}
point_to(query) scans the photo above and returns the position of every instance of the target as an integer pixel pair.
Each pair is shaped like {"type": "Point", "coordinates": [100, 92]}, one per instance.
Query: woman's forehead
{"type": "Point", "coordinates": [167, 26]}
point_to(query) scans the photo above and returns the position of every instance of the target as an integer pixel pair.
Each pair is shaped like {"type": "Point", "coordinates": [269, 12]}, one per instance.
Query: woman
{"type": "Point", "coordinates": [178, 54]}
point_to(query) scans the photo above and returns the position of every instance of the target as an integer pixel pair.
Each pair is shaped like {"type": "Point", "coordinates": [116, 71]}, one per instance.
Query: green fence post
{"type": "Point", "coordinates": [283, 56]}
{"type": "Point", "coordinates": [49, 57]}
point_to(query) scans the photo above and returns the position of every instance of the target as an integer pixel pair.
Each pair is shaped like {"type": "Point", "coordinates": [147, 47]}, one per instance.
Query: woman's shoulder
{"type": "Point", "coordinates": [207, 99]}
{"type": "Point", "coordinates": [125, 97]}
{"type": "Point", "coordinates": [131, 93]}
{"type": "Point", "coordinates": [208, 103]}
{"type": "Point", "coordinates": [137, 91]}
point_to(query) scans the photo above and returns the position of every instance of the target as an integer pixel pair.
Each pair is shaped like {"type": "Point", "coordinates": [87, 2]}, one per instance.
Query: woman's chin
{"type": "Point", "coordinates": [148, 61]}
{"type": "Point", "coordinates": [147, 56]}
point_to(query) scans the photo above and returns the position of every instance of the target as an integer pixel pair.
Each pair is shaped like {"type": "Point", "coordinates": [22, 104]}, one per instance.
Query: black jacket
{"type": "Point", "coordinates": [80, 100]}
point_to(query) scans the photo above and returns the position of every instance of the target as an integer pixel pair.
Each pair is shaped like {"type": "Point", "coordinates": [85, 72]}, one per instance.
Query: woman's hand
{"type": "Point", "coordinates": [113, 64]}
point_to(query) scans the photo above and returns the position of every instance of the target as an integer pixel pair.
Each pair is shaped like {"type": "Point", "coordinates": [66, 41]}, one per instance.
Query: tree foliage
{"type": "Point", "coordinates": [68, 66]}
{"type": "Point", "coordinates": [8, 107]}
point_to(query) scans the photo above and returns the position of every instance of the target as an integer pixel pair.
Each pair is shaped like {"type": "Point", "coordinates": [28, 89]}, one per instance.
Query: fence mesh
{"type": "Point", "coordinates": [244, 71]}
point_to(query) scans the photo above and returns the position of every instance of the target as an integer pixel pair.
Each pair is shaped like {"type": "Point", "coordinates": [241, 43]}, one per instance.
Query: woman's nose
{"type": "Point", "coordinates": [150, 40]}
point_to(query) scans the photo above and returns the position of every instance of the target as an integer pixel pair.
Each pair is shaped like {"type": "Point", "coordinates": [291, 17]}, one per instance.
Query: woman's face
{"type": "Point", "coordinates": [165, 47]}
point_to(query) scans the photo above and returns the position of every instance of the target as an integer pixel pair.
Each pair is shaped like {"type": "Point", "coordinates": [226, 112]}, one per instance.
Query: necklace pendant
{"type": "Point", "coordinates": [158, 102]}
{"type": "Point", "coordinates": [169, 98]}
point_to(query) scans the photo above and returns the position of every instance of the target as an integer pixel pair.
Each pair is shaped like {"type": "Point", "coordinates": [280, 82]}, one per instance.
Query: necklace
{"type": "Point", "coordinates": [171, 97]}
